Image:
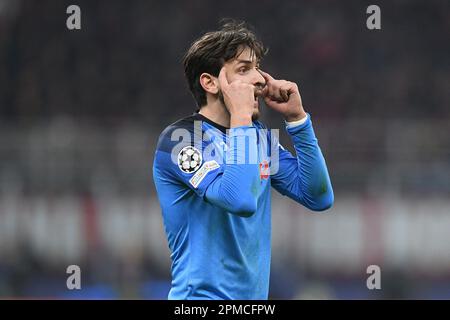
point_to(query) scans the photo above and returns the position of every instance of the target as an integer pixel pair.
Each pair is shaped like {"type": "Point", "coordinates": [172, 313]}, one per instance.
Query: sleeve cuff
{"type": "Point", "coordinates": [293, 124]}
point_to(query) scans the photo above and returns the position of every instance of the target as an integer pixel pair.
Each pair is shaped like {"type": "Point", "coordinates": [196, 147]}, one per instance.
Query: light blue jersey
{"type": "Point", "coordinates": [213, 186]}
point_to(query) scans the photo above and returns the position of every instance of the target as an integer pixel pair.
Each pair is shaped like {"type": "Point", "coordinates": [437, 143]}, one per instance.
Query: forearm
{"type": "Point", "coordinates": [236, 189]}
{"type": "Point", "coordinates": [237, 120]}
{"type": "Point", "coordinates": [312, 183]}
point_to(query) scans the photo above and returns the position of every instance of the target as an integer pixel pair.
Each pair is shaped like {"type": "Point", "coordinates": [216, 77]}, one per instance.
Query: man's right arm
{"type": "Point", "coordinates": [237, 189]}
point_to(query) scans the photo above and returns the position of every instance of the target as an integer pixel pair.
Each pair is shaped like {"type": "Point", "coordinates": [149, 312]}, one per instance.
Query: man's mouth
{"type": "Point", "coordinates": [256, 102]}
{"type": "Point", "coordinates": [258, 94]}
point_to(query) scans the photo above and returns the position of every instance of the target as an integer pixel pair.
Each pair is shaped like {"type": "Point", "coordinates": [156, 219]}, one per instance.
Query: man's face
{"type": "Point", "coordinates": [245, 67]}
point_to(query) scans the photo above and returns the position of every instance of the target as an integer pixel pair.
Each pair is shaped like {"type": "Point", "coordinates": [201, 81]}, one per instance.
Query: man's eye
{"type": "Point", "coordinates": [242, 70]}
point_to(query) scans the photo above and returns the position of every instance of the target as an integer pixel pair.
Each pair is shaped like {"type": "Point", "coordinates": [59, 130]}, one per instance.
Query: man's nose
{"type": "Point", "coordinates": [259, 80]}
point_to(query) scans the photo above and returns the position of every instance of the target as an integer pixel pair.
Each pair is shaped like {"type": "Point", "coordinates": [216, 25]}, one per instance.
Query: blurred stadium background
{"type": "Point", "coordinates": [80, 112]}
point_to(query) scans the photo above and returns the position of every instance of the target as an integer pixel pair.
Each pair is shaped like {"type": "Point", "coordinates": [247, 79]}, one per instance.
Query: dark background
{"type": "Point", "coordinates": [80, 112]}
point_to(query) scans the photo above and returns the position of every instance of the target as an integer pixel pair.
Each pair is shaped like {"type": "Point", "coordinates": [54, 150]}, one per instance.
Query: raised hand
{"type": "Point", "coordinates": [283, 96]}
{"type": "Point", "coordinates": [239, 98]}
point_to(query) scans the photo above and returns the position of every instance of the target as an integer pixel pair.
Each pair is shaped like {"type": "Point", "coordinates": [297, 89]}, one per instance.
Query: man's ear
{"type": "Point", "coordinates": [209, 83]}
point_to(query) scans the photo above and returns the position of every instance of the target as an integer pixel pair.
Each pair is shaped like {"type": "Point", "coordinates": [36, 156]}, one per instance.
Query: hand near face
{"type": "Point", "coordinates": [284, 97]}
{"type": "Point", "coordinates": [239, 98]}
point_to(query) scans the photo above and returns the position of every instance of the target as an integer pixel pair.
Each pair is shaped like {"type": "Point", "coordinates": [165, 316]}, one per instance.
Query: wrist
{"type": "Point", "coordinates": [295, 117]}
{"type": "Point", "coordinates": [297, 123]}
{"type": "Point", "coordinates": [240, 120]}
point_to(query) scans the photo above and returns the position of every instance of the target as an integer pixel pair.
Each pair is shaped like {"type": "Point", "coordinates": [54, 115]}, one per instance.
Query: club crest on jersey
{"type": "Point", "coordinates": [189, 159]}
{"type": "Point", "coordinates": [264, 170]}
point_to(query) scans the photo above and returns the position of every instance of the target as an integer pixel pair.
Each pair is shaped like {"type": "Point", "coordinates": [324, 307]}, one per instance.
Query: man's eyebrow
{"type": "Point", "coordinates": [247, 61]}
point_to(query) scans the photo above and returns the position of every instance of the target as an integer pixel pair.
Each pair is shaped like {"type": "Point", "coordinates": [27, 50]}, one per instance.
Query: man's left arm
{"type": "Point", "coordinates": [303, 178]}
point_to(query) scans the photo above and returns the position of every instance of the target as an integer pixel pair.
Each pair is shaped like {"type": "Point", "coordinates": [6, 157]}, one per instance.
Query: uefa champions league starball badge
{"type": "Point", "coordinates": [189, 159]}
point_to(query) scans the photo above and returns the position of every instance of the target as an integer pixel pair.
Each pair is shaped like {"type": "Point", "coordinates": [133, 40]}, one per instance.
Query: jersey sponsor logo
{"type": "Point", "coordinates": [264, 171]}
{"type": "Point", "coordinates": [202, 172]}
{"type": "Point", "coordinates": [189, 159]}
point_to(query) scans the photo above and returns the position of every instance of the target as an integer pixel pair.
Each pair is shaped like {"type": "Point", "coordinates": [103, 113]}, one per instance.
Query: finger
{"type": "Point", "coordinates": [270, 92]}
{"type": "Point", "coordinates": [284, 94]}
{"type": "Point", "coordinates": [290, 87]}
{"type": "Point", "coordinates": [265, 91]}
{"type": "Point", "coordinates": [286, 90]}
{"type": "Point", "coordinates": [275, 93]}
{"type": "Point", "coordinates": [268, 100]}
{"type": "Point", "coordinates": [223, 81]}
{"type": "Point", "coordinates": [266, 76]}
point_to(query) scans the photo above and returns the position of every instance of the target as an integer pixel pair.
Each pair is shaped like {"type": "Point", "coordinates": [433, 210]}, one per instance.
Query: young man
{"type": "Point", "coordinates": [213, 170]}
